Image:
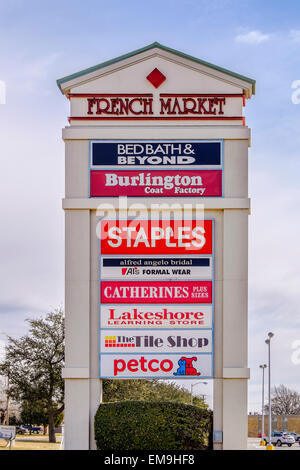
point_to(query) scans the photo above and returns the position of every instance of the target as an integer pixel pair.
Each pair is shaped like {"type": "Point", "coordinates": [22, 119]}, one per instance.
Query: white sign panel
{"type": "Point", "coordinates": [156, 316]}
{"type": "Point", "coordinates": [164, 366]}
{"type": "Point", "coordinates": [7, 432]}
{"type": "Point", "coordinates": [146, 267]}
{"type": "Point", "coordinates": [159, 341]}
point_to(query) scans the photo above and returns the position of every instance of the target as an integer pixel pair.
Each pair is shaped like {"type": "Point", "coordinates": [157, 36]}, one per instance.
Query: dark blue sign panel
{"type": "Point", "coordinates": [154, 262]}
{"type": "Point", "coordinates": [151, 154]}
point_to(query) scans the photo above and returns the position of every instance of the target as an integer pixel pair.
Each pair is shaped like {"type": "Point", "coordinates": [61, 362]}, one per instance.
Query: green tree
{"type": "Point", "coordinates": [35, 363]}
{"type": "Point", "coordinates": [34, 412]}
{"type": "Point", "coordinates": [147, 390]}
{"type": "Point", "coordinates": [13, 421]}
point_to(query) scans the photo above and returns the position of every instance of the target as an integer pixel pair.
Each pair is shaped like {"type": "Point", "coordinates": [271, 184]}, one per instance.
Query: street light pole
{"type": "Point", "coordinates": [7, 392]}
{"type": "Point", "coordinates": [262, 442]}
{"type": "Point", "coordinates": [268, 342]}
{"type": "Point", "coordinates": [192, 386]}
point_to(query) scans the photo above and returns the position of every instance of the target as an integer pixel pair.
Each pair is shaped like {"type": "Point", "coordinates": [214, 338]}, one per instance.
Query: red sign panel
{"type": "Point", "coordinates": [143, 237]}
{"type": "Point", "coordinates": [200, 183]}
{"type": "Point", "coordinates": [155, 292]}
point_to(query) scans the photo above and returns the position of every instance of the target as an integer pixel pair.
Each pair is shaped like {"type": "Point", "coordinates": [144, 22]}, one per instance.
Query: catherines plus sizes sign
{"type": "Point", "coordinates": [156, 311]}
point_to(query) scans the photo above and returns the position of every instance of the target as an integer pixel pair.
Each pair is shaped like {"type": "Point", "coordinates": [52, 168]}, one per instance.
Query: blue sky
{"type": "Point", "coordinates": [43, 41]}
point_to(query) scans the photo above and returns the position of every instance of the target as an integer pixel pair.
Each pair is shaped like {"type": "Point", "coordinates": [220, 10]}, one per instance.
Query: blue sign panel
{"type": "Point", "coordinates": [153, 154]}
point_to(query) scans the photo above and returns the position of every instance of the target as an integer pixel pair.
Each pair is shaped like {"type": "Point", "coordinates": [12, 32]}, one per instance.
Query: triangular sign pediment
{"type": "Point", "coordinates": [157, 82]}
{"type": "Point", "coordinates": [154, 56]}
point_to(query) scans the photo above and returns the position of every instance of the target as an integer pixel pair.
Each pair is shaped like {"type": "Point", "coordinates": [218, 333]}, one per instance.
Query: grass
{"type": "Point", "coordinates": [34, 442]}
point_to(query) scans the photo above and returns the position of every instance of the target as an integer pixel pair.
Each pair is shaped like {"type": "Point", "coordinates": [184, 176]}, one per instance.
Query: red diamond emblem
{"type": "Point", "coordinates": [156, 78]}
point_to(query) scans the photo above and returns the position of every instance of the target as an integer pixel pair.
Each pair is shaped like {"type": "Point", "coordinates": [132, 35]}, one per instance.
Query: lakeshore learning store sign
{"type": "Point", "coordinates": [138, 317]}
{"type": "Point", "coordinates": [156, 168]}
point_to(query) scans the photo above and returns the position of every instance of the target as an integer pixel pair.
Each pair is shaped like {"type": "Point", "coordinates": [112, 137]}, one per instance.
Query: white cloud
{"type": "Point", "coordinates": [252, 37]}
{"type": "Point", "coordinates": [295, 35]}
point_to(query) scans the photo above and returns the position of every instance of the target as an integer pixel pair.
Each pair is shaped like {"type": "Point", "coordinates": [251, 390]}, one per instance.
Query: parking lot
{"type": "Point", "coordinates": [253, 444]}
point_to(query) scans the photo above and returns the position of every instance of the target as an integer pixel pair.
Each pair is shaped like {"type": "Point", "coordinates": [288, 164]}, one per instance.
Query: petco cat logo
{"type": "Point", "coordinates": [164, 366]}
{"type": "Point", "coordinates": [186, 366]}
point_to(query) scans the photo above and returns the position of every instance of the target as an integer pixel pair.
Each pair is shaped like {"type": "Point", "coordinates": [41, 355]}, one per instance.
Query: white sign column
{"type": "Point", "coordinates": [145, 345]}
{"type": "Point", "coordinates": [186, 101]}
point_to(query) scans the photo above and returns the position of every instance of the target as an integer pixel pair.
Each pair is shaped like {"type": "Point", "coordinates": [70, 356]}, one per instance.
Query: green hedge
{"type": "Point", "coordinates": [140, 425]}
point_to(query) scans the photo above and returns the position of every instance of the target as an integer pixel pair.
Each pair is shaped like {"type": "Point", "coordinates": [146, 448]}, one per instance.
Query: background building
{"type": "Point", "coordinates": [279, 423]}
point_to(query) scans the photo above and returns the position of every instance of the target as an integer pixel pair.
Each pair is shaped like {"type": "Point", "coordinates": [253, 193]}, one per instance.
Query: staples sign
{"type": "Point", "coordinates": [156, 237]}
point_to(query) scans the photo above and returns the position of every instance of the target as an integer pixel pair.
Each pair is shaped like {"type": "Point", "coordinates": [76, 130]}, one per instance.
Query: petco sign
{"type": "Point", "coordinates": [162, 366]}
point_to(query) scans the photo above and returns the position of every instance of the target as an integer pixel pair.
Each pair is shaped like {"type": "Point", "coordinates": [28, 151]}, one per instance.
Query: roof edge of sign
{"type": "Point", "coordinates": [67, 78]}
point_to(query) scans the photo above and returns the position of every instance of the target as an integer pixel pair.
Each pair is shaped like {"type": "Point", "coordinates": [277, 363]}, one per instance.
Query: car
{"type": "Point", "coordinates": [36, 429]}
{"type": "Point", "coordinates": [282, 438]}
{"type": "Point", "coordinates": [33, 429]}
{"type": "Point", "coordinates": [21, 430]}
{"type": "Point", "coordinates": [295, 436]}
